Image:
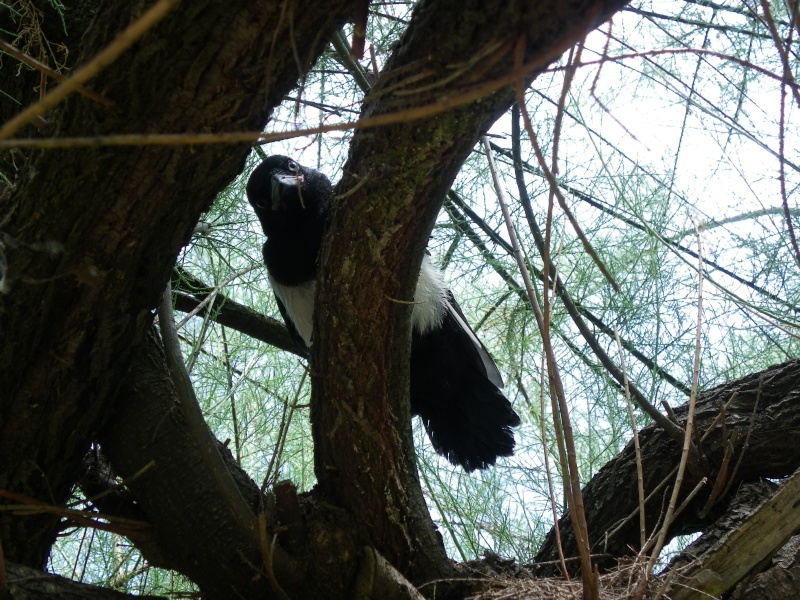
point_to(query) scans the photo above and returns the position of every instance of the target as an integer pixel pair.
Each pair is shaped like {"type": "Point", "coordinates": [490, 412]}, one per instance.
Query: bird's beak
{"type": "Point", "coordinates": [281, 185]}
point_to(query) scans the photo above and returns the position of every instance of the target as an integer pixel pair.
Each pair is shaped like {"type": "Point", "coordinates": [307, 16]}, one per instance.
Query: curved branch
{"type": "Point", "coordinates": [232, 314]}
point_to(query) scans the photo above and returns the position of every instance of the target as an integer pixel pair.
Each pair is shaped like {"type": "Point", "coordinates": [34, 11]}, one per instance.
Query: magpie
{"type": "Point", "coordinates": [455, 385]}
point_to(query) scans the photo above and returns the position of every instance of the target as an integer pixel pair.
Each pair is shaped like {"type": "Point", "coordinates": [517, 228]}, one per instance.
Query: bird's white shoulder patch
{"type": "Point", "coordinates": [299, 304]}
{"type": "Point", "coordinates": [430, 298]}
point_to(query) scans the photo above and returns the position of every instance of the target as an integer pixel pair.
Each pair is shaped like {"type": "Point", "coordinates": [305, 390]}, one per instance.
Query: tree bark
{"type": "Point", "coordinates": [780, 580]}
{"type": "Point", "coordinates": [90, 235]}
{"type": "Point", "coordinates": [25, 583]}
{"type": "Point", "coordinates": [313, 550]}
{"type": "Point", "coordinates": [191, 292]}
{"type": "Point", "coordinates": [743, 549]}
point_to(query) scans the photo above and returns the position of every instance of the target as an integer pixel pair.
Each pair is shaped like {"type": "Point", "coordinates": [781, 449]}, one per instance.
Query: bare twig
{"type": "Point", "coordinates": [43, 68]}
{"type": "Point", "coordinates": [787, 215]}
{"type": "Point", "coordinates": [562, 201]}
{"type": "Point", "coordinates": [674, 430]}
{"type": "Point", "coordinates": [286, 419]}
{"type": "Point", "coordinates": [442, 105]}
{"type": "Point", "coordinates": [267, 554]}
{"type": "Point", "coordinates": [593, 88]}
{"type": "Point", "coordinates": [209, 300]}
{"type": "Point", "coordinates": [30, 506]}
{"type": "Point", "coordinates": [723, 411]}
{"type": "Point", "coordinates": [668, 51]}
{"type": "Point", "coordinates": [636, 510]}
{"type": "Point", "coordinates": [746, 443]}
{"type": "Point", "coordinates": [546, 456]}
{"type": "Point", "coordinates": [788, 75]}
{"type": "Point", "coordinates": [577, 512]}
{"type": "Point", "coordinates": [637, 448]}
{"type": "Point", "coordinates": [687, 443]}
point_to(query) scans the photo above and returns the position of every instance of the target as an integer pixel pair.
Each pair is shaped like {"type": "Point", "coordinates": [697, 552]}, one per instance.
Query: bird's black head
{"type": "Point", "coordinates": [287, 196]}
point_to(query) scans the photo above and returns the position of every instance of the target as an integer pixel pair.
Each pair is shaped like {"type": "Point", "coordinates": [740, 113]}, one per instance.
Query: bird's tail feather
{"type": "Point", "coordinates": [475, 429]}
{"type": "Point", "coordinates": [467, 417]}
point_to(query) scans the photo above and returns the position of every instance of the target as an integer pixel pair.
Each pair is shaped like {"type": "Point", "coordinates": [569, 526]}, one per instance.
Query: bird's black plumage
{"type": "Point", "coordinates": [455, 385]}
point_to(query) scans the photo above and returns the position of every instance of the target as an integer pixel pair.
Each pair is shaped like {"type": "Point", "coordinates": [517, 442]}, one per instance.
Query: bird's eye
{"type": "Point", "coordinates": [294, 167]}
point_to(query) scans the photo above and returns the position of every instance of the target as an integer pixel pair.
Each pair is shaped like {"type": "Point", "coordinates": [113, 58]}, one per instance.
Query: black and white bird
{"type": "Point", "coordinates": [455, 385]}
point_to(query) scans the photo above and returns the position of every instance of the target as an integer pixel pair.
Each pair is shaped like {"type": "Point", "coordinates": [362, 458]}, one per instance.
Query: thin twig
{"type": "Point", "coordinates": [669, 51]}
{"type": "Point", "coordinates": [209, 299]}
{"type": "Point", "coordinates": [43, 68]}
{"type": "Point", "coordinates": [721, 415]}
{"type": "Point", "coordinates": [562, 202]}
{"type": "Point", "coordinates": [746, 443]}
{"type": "Point", "coordinates": [577, 512]}
{"type": "Point", "coordinates": [687, 443]}
{"type": "Point", "coordinates": [593, 88]}
{"type": "Point", "coordinates": [286, 419]}
{"type": "Point", "coordinates": [636, 446]}
{"type": "Point", "coordinates": [545, 455]}
{"type": "Point", "coordinates": [787, 215]}
{"type": "Point", "coordinates": [788, 75]}
{"type": "Point", "coordinates": [267, 554]}
{"type": "Point", "coordinates": [442, 105]}
{"type": "Point", "coordinates": [636, 510]}
{"type": "Point", "coordinates": [671, 428]}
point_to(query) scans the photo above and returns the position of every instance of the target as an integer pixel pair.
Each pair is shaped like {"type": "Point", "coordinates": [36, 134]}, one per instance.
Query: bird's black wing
{"type": "Point", "coordinates": [489, 368]}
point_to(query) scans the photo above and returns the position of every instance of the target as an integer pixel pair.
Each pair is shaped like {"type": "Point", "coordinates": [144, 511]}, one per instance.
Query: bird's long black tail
{"type": "Point", "coordinates": [468, 419]}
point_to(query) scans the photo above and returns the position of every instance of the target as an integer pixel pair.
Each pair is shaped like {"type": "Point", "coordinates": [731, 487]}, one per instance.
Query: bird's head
{"type": "Point", "coordinates": [286, 195]}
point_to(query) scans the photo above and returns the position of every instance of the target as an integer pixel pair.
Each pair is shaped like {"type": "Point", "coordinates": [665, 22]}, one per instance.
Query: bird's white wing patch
{"type": "Point", "coordinates": [430, 298]}
{"type": "Point", "coordinates": [299, 303]}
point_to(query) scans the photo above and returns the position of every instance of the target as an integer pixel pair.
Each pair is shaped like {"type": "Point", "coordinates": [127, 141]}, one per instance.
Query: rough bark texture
{"type": "Point", "coordinates": [25, 583]}
{"type": "Point", "coordinates": [779, 580]}
{"type": "Point", "coordinates": [399, 175]}
{"type": "Point", "coordinates": [148, 435]}
{"type": "Point", "coordinates": [194, 531]}
{"type": "Point", "coordinates": [741, 542]}
{"type": "Point", "coordinates": [91, 234]}
{"type": "Point", "coordinates": [761, 429]}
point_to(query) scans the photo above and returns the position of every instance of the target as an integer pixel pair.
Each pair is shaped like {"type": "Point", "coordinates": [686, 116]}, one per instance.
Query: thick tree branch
{"type": "Point", "coordinates": [24, 582]}
{"type": "Point", "coordinates": [760, 425]}
{"type": "Point", "coordinates": [222, 556]}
